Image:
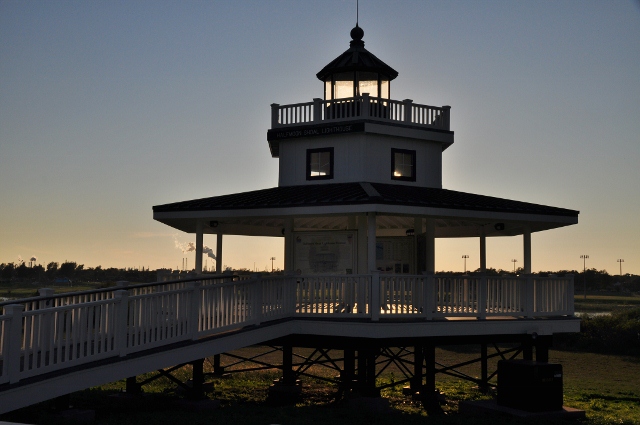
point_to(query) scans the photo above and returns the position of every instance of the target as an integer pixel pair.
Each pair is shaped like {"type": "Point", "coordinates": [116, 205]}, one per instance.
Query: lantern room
{"type": "Point", "coordinates": [356, 71]}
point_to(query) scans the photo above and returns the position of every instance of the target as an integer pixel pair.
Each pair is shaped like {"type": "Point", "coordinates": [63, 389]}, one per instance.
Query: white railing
{"type": "Point", "coordinates": [360, 107]}
{"type": "Point", "coordinates": [402, 295]}
{"type": "Point", "coordinates": [336, 296]}
{"type": "Point", "coordinates": [53, 333]}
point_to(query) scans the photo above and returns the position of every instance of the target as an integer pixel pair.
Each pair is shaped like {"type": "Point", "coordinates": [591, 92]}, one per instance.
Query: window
{"type": "Point", "coordinates": [403, 165]}
{"type": "Point", "coordinates": [319, 164]}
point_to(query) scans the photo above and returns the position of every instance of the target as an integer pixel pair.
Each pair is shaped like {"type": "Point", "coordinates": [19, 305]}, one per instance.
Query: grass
{"type": "Point", "coordinates": [606, 386]}
{"type": "Point", "coordinates": [605, 303]}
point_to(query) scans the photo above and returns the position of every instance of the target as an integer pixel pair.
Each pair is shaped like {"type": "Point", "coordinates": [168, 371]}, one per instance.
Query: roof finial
{"type": "Point", "coordinates": [357, 33]}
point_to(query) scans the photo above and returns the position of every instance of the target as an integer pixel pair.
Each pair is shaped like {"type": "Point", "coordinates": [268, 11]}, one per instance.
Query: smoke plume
{"type": "Point", "coordinates": [208, 251]}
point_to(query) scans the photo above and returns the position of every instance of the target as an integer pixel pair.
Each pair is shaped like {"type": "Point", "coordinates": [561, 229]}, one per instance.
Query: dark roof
{"type": "Point", "coordinates": [361, 193]}
{"type": "Point", "coordinates": [357, 58]}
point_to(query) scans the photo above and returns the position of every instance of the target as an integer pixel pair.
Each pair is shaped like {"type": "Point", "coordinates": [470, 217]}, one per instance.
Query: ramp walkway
{"type": "Point", "coordinates": [53, 345]}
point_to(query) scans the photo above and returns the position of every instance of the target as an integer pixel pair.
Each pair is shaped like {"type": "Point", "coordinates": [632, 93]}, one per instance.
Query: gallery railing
{"type": "Point", "coordinates": [360, 107]}
{"type": "Point", "coordinates": [52, 332]}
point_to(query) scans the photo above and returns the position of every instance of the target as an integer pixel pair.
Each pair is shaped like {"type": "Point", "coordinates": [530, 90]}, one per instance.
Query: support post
{"type": "Point", "coordinates": [363, 245]}
{"type": "Point", "coordinates": [349, 368]}
{"type": "Point", "coordinates": [288, 244]}
{"type": "Point", "coordinates": [527, 348]}
{"type": "Point", "coordinates": [543, 343]}
{"type": "Point", "coordinates": [197, 379]}
{"type": "Point", "coordinates": [526, 236]}
{"type": "Point", "coordinates": [428, 394]}
{"type": "Point", "coordinates": [483, 252]}
{"type": "Point", "coordinates": [430, 246]}
{"type": "Point", "coordinates": [219, 252]}
{"type": "Point", "coordinates": [218, 369]}
{"type": "Point", "coordinates": [484, 380]}
{"type": "Point", "coordinates": [288, 377]}
{"type": "Point", "coordinates": [418, 371]}
{"type": "Point", "coordinates": [371, 242]}
{"type": "Point", "coordinates": [199, 245]}
{"type": "Point", "coordinates": [132, 386]}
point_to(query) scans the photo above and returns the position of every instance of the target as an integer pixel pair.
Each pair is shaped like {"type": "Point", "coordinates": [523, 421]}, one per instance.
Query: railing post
{"type": "Point", "coordinates": [256, 295]}
{"type": "Point", "coordinates": [482, 298]}
{"type": "Point", "coordinates": [275, 110]}
{"type": "Point", "coordinates": [122, 283]}
{"type": "Point", "coordinates": [446, 117]}
{"type": "Point", "coordinates": [529, 296]}
{"type": "Point", "coordinates": [122, 321]}
{"type": "Point", "coordinates": [45, 293]}
{"type": "Point", "coordinates": [374, 307]}
{"type": "Point", "coordinates": [570, 295]}
{"type": "Point", "coordinates": [317, 109]}
{"type": "Point", "coordinates": [13, 341]}
{"type": "Point", "coordinates": [194, 308]}
{"type": "Point", "coordinates": [429, 295]}
{"type": "Point", "coordinates": [366, 105]}
{"type": "Point", "coordinates": [408, 109]}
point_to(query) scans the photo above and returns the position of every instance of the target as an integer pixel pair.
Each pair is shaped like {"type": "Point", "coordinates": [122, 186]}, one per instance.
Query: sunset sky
{"type": "Point", "coordinates": [110, 107]}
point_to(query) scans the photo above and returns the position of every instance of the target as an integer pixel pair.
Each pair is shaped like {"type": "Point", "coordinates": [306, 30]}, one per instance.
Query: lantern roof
{"type": "Point", "coordinates": [357, 58]}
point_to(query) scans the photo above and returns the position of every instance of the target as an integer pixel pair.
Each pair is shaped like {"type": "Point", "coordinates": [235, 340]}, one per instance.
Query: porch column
{"type": "Point", "coordinates": [430, 237]}
{"type": "Point", "coordinates": [483, 251]}
{"type": "Point", "coordinates": [362, 245]}
{"type": "Point", "coordinates": [219, 252]}
{"type": "Point", "coordinates": [199, 243]}
{"type": "Point", "coordinates": [526, 237]}
{"type": "Point", "coordinates": [288, 244]}
{"type": "Point", "coordinates": [371, 241]}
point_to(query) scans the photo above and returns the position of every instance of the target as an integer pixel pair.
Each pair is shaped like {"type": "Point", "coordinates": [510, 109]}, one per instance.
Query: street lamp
{"type": "Point", "coordinates": [584, 273]}
{"type": "Point", "coordinates": [514, 261]}
{"type": "Point", "coordinates": [620, 260]}
{"type": "Point", "coordinates": [465, 256]}
{"type": "Point", "coordinates": [272, 260]}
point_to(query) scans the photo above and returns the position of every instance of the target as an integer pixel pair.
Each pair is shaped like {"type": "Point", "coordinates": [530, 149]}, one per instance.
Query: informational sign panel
{"type": "Point", "coordinates": [395, 255]}
{"type": "Point", "coordinates": [324, 252]}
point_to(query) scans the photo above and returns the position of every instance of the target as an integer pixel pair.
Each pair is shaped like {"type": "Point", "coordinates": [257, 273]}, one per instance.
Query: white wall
{"type": "Point", "coordinates": [360, 157]}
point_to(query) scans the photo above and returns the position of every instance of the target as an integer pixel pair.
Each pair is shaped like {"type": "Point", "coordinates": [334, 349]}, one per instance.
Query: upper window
{"type": "Point", "coordinates": [403, 165]}
{"type": "Point", "coordinates": [319, 164]}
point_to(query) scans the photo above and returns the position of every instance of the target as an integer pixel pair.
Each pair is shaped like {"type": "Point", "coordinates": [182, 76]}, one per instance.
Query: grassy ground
{"type": "Point", "coordinates": [605, 386]}
{"type": "Point", "coordinates": [605, 303]}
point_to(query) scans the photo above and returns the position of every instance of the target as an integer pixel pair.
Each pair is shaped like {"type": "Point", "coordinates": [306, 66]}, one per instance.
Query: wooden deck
{"type": "Point", "coordinates": [60, 339]}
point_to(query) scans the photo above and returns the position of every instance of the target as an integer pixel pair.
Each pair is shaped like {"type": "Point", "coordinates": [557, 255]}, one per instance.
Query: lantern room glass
{"type": "Point", "coordinates": [343, 85]}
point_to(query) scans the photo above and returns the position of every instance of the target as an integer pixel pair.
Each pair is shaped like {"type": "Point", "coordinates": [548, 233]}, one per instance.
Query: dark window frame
{"type": "Point", "coordinates": [310, 152]}
{"type": "Point", "coordinates": [412, 153]}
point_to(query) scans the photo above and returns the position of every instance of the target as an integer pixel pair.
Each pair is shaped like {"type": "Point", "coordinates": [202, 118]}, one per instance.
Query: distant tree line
{"type": "Point", "coordinates": [596, 280]}
{"type": "Point", "coordinates": [70, 271]}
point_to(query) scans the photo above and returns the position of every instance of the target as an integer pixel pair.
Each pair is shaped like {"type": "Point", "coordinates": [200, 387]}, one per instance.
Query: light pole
{"type": "Point", "coordinates": [272, 260]}
{"type": "Point", "coordinates": [584, 273]}
{"type": "Point", "coordinates": [465, 256]}
{"type": "Point", "coordinates": [514, 261]}
{"type": "Point", "coordinates": [620, 260]}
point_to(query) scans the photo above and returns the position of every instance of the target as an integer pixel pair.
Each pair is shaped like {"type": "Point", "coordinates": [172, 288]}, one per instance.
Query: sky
{"type": "Point", "coordinates": [108, 108]}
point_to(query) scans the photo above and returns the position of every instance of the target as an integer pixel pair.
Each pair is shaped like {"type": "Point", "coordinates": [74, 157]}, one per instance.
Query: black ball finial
{"type": "Point", "coordinates": [357, 33]}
